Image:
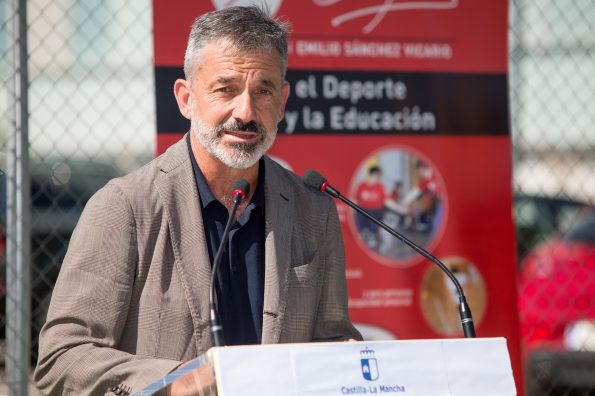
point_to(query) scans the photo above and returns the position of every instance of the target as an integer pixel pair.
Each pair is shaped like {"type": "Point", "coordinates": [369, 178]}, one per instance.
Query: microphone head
{"type": "Point", "coordinates": [241, 187]}
{"type": "Point", "coordinates": [314, 180]}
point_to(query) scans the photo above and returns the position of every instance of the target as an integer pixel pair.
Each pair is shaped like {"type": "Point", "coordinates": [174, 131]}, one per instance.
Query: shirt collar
{"type": "Point", "coordinates": [207, 197]}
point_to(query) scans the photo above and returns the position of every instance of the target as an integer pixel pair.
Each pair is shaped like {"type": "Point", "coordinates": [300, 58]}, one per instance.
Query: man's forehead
{"type": "Point", "coordinates": [225, 48]}
{"type": "Point", "coordinates": [223, 63]}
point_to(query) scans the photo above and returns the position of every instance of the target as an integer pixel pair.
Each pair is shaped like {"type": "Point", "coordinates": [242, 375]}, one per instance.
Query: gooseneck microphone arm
{"type": "Point", "coordinates": [241, 188]}
{"type": "Point", "coordinates": [318, 182]}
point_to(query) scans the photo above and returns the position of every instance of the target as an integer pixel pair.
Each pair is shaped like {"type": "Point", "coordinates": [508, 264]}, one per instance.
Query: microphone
{"type": "Point", "coordinates": [241, 188]}
{"type": "Point", "coordinates": [318, 182]}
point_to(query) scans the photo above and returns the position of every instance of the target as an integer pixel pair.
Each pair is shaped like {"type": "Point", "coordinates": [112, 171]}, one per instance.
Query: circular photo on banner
{"type": "Point", "coordinates": [440, 301]}
{"type": "Point", "coordinates": [401, 188]}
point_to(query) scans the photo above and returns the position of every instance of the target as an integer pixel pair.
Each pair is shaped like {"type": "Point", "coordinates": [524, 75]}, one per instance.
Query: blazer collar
{"type": "Point", "coordinates": [179, 195]}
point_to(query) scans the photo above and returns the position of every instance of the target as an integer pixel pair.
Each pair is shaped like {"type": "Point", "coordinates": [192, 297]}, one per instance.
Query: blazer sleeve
{"type": "Point", "coordinates": [78, 352]}
{"type": "Point", "coordinates": [332, 319]}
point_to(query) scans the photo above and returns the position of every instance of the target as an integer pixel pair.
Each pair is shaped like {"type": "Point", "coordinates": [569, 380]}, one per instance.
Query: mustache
{"type": "Point", "coordinates": [238, 125]}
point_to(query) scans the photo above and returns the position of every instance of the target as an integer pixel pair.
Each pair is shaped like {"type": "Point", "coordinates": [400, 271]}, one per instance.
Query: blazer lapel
{"type": "Point", "coordinates": [177, 188]}
{"type": "Point", "coordinates": [279, 221]}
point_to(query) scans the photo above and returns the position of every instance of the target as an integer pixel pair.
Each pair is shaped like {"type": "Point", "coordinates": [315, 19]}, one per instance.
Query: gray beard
{"type": "Point", "coordinates": [234, 155]}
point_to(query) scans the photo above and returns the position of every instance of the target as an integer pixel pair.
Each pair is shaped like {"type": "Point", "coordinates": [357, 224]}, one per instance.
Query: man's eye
{"type": "Point", "coordinates": [265, 92]}
{"type": "Point", "coordinates": [223, 89]}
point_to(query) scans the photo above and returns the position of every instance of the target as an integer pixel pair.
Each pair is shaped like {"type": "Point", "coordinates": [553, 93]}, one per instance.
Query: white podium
{"type": "Point", "coordinates": [445, 367]}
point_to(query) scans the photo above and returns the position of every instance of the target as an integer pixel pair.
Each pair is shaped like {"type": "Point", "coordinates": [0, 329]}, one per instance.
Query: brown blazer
{"type": "Point", "coordinates": [131, 300]}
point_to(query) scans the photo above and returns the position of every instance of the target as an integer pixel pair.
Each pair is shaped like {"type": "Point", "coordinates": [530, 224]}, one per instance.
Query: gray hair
{"type": "Point", "coordinates": [243, 28]}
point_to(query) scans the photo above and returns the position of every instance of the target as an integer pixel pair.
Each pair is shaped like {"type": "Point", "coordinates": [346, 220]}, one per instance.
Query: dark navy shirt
{"type": "Point", "coordinates": [240, 277]}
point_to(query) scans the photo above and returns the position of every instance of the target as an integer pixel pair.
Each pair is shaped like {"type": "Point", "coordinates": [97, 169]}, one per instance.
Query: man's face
{"type": "Point", "coordinates": [237, 99]}
{"type": "Point", "coordinates": [375, 177]}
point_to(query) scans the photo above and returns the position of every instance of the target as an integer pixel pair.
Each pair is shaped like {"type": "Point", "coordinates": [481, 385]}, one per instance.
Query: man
{"type": "Point", "coordinates": [371, 195]}
{"type": "Point", "coordinates": [131, 301]}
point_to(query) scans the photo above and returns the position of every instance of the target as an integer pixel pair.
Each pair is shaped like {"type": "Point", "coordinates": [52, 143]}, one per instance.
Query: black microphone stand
{"type": "Point", "coordinates": [241, 189]}
{"type": "Point", "coordinates": [464, 310]}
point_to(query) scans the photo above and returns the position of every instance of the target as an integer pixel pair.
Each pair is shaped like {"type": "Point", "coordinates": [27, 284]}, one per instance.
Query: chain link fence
{"type": "Point", "coordinates": [552, 64]}
{"type": "Point", "coordinates": [89, 85]}
{"type": "Point", "coordinates": [86, 109]}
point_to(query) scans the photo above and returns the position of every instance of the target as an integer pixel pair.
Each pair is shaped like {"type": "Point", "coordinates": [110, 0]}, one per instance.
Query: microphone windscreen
{"type": "Point", "coordinates": [314, 179]}
{"type": "Point", "coordinates": [241, 185]}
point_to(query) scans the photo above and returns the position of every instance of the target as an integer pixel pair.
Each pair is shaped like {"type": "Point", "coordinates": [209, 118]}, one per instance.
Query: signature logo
{"type": "Point", "coordinates": [271, 5]}
{"type": "Point", "coordinates": [379, 11]}
{"type": "Point", "coordinates": [369, 364]}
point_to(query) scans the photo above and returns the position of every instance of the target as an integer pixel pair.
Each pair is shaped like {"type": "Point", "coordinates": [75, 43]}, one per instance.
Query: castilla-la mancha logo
{"type": "Point", "coordinates": [271, 5]}
{"type": "Point", "coordinates": [369, 364]}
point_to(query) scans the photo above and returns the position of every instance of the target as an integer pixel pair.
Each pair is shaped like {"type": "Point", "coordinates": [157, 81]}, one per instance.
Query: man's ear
{"type": "Point", "coordinates": [182, 94]}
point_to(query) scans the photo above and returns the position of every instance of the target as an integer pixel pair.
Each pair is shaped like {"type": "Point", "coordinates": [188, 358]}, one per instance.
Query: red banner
{"type": "Point", "coordinates": [403, 106]}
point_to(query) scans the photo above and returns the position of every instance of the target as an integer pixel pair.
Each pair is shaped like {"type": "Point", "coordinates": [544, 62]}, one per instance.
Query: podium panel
{"type": "Point", "coordinates": [445, 367]}
{"type": "Point", "coordinates": [455, 367]}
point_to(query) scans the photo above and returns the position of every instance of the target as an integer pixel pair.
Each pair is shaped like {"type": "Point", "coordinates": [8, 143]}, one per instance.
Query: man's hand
{"type": "Point", "coordinates": [199, 381]}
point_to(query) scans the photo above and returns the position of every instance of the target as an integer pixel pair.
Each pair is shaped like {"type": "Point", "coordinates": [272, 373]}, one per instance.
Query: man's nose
{"type": "Point", "coordinates": [244, 108]}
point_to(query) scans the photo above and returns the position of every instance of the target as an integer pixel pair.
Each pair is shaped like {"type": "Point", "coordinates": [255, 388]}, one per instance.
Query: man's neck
{"type": "Point", "coordinates": [219, 177]}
